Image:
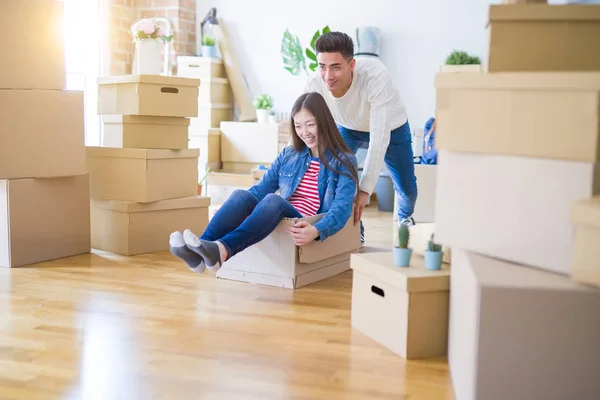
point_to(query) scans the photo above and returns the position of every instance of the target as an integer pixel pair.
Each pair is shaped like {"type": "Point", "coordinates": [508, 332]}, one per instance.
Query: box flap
{"type": "Point", "coordinates": [540, 81]}
{"type": "Point", "coordinates": [586, 212]}
{"type": "Point", "coordinates": [114, 152]}
{"type": "Point", "coordinates": [414, 278]}
{"type": "Point", "coordinates": [347, 239]}
{"type": "Point", "coordinates": [133, 207]}
{"type": "Point", "coordinates": [144, 119]}
{"type": "Point", "coordinates": [544, 12]}
{"type": "Point", "coordinates": [152, 79]}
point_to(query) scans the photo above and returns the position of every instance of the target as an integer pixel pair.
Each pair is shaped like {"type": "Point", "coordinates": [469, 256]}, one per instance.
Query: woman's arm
{"type": "Point", "coordinates": [269, 183]}
{"type": "Point", "coordinates": [341, 208]}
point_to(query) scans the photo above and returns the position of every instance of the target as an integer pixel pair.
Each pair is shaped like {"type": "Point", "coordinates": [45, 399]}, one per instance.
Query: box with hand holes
{"type": "Point", "coordinates": [150, 95]}
{"type": "Point", "coordinates": [405, 309]}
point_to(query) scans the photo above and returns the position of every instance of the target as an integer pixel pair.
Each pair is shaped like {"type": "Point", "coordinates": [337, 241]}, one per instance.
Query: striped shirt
{"type": "Point", "coordinates": [305, 198]}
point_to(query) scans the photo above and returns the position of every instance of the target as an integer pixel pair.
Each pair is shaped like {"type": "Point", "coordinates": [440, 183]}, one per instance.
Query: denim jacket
{"type": "Point", "coordinates": [336, 191]}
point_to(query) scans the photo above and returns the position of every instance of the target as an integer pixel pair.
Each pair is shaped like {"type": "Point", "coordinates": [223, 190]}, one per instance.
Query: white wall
{"type": "Point", "coordinates": [417, 36]}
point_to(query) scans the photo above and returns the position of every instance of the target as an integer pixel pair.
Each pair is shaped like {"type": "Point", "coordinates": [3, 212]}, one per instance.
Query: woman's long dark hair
{"type": "Point", "coordinates": [329, 139]}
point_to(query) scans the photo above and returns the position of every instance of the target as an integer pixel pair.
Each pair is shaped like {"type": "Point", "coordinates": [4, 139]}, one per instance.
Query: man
{"type": "Point", "coordinates": [367, 109]}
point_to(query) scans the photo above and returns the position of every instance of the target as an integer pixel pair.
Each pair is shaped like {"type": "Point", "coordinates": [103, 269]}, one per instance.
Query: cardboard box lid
{"type": "Point", "coordinates": [144, 119]}
{"type": "Point", "coordinates": [539, 81]}
{"type": "Point", "coordinates": [414, 278]}
{"type": "Point", "coordinates": [544, 12]}
{"type": "Point", "coordinates": [171, 204]}
{"type": "Point", "coordinates": [151, 79]}
{"type": "Point", "coordinates": [149, 154]}
{"type": "Point", "coordinates": [586, 212]}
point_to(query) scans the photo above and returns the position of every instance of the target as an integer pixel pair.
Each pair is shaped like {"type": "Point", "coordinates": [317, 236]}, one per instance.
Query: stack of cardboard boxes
{"type": "Point", "coordinates": [44, 186]}
{"type": "Point", "coordinates": [518, 148]}
{"type": "Point", "coordinates": [144, 178]}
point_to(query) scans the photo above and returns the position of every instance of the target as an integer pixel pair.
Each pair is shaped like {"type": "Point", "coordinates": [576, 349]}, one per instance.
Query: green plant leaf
{"type": "Point", "coordinates": [311, 55]}
{"type": "Point", "coordinates": [314, 39]}
{"type": "Point", "coordinates": [326, 30]}
{"type": "Point", "coordinates": [313, 66]}
{"type": "Point", "coordinates": [292, 53]}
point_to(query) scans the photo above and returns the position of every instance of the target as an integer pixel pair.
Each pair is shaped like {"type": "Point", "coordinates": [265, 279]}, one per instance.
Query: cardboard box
{"type": "Point", "coordinates": [513, 208]}
{"type": "Point", "coordinates": [134, 131]}
{"type": "Point", "coordinates": [585, 217]}
{"type": "Point", "coordinates": [215, 90]}
{"type": "Point", "coordinates": [200, 67]}
{"type": "Point", "coordinates": [542, 37]}
{"type": "Point", "coordinates": [43, 219]}
{"type": "Point", "coordinates": [241, 167]}
{"type": "Point", "coordinates": [220, 185]}
{"type": "Point", "coordinates": [521, 333]}
{"type": "Point", "coordinates": [150, 95]}
{"type": "Point", "coordinates": [135, 228]}
{"type": "Point", "coordinates": [249, 142]}
{"type": "Point", "coordinates": [41, 134]}
{"type": "Point", "coordinates": [209, 143]}
{"type": "Point", "coordinates": [142, 175]}
{"type": "Point", "coordinates": [210, 115]}
{"type": "Point", "coordinates": [36, 54]}
{"type": "Point", "coordinates": [403, 308]}
{"type": "Point", "coordinates": [277, 261]}
{"type": "Point", "coordinates": [544, 115]}
{"type": "Point", "coordinates": [425, 206]}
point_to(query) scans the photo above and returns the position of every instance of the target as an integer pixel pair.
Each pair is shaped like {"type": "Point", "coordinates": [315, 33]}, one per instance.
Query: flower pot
{"type": "Point", "coordinates": [402, 257]}
{"type": "Point", "coordinates": [262, 116]}
{"type": "Point", "coordinates": [209, 51]}
{"type": "Point", "coordinates": [433, 259]}
{"type": "Point", "coordinates": [148, 52]}
{"type": "Point", "coordinates": [272, 119]}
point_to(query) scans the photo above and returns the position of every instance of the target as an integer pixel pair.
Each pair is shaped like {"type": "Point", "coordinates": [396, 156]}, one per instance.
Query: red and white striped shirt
{"type": "Point", "coordinates": [305, 198]}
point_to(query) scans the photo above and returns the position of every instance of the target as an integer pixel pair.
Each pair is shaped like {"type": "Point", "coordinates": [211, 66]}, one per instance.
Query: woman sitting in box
{"type": "Point", "coordinates": [317, 174]}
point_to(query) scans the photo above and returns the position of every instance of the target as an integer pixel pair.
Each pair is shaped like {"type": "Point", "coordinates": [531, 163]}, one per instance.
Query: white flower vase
{"type": "Point", "coordinates": [148, 52]}
{"type": "Point", "coordinates": [262, 116]}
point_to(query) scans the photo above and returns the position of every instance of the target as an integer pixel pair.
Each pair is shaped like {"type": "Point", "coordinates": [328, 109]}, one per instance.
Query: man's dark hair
{"type": "Point", "coordinates": [335, 42]}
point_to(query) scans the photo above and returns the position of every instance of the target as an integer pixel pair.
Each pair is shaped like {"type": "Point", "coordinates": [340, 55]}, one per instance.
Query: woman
{"type": "Point", "coordinates": [317, 174]}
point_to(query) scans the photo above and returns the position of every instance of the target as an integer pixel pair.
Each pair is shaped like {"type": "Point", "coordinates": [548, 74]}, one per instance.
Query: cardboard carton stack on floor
{"type": "Point", "coordinates": [518, 148]}
{"type": "Point", "coordinates": [144, 178]}
{"type": "Point", "coordinates": [44, 186]}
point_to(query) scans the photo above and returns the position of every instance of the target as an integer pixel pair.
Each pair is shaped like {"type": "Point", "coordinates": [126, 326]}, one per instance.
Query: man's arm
{"type": "Point", "coordinates": [380, 94]}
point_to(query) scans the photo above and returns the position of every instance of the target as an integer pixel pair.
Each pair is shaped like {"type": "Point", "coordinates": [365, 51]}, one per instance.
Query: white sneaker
{"type": "Point", "coordinates": [408, 221]}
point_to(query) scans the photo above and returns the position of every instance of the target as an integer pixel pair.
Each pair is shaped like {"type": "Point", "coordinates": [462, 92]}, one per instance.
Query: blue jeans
{"type": "Point", "coordinates": [398, 160]}
{"type": "Point", "coordinates": [243, 221]}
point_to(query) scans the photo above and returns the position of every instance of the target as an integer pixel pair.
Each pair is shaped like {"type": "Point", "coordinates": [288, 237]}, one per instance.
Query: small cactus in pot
{"type": "Point", "coordinates": [402, 253]}
{"type": "Point", "coordinates": [433, 255]}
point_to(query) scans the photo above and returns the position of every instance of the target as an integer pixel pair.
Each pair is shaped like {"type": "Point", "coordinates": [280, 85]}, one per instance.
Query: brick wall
{"type": "Point", "coordinates": [180, 13]}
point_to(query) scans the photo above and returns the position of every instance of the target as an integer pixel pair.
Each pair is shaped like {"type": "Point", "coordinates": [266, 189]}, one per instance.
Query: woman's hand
{"type": "Point", "coordinates": [302, 233]}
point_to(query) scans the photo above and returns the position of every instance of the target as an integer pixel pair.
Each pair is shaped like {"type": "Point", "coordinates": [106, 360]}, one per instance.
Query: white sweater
{"type": "Point", "coordinates": [373, 105]}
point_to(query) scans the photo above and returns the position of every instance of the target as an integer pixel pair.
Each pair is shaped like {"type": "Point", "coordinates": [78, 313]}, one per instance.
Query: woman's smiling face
{"type": "Point", "coordinates": [306, 128]}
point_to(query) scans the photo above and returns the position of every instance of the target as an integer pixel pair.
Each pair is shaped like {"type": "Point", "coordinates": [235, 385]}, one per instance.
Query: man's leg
{"type": "Point", "coordinates": [354, 140]}
{"type": "Point", "coordinates": [262, 221]}
{"type": "Point", "coordinates": [400, 164]}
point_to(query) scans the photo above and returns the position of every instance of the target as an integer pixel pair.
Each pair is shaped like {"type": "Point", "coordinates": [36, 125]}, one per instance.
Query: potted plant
{"type": "Point", "coordinates": [272, 117]}
{"type": "Point", "coordinates": [208, 47]}
{"type": "Point", "coordinates": [148, 34]}
{"type": "Point", "coordinates": [433, 255]}
{"type": "Point", "coordinates": [461, 61]}
{"type": "Point", "coordinates": [263, 104]}
{"type": "Point", "coordinates": [402, 253]}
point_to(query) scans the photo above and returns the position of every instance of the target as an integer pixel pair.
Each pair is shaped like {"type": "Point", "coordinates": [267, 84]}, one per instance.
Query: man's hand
{"type": "Point", "coordinates": [302, 233]}
{"type": "Point", "coordinates": [363, 198]}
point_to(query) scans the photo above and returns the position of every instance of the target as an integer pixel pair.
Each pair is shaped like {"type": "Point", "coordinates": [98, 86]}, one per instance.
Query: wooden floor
{"type": "Point", "coordinates": [100, 326]}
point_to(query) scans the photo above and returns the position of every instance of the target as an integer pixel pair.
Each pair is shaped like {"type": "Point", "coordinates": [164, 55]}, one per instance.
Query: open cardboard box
{"type": "Point", "coordinates": [277, 261]}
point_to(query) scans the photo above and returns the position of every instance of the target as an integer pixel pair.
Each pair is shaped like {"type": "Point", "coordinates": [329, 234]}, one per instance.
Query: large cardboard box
{"type": "Point", "coordinates": [41, 133]}
{"type": "Point", "coordinates": [150, 95]}
{"type": "Point", "coordinates": [220, 185]}
{"type": "Point", "coordinates": [215, 90]}
{"type": "Point", "coordinates": [585, 217]}
{"type": "Point", "coordinates": [143, 132]}
{"type": "Point", "coordinates": [403, 308]}
{"type": "Point", "coordinates": [209, 143]}
{"type": "Point", "coordinates": [34, 57]}
{"type": "Point", "coordinates": [249, 142]}
{"type": "Point", "coordinates": [513, 208]}
{"type": "Point", "coordinates": [210, 115]}
{"type": "Point", "coordinates": [277, 261]}
{"type": "Point", "coordinates": [130, 228]}
{"type": "Point", "coordinates": [521, 333]}
{"type": "Point", "coordinates": [426, 182]}
{"type": "Point", "coordinates": [142, 175]}
{"type": "Point", "coordinates": [530, 114]}
{"type": "Point", "coordinates": [543, 37]}
{"type": "Point", "coordinates": [200, 67]}
{"type": "Point", "coordinates": [43, 219]}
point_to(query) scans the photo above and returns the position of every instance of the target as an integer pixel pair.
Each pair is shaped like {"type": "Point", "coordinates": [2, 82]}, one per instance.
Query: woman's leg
{"type": "Point", "coordinates": [233, 212]}
{"type": "Point", "coordinates": [261, 222]}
